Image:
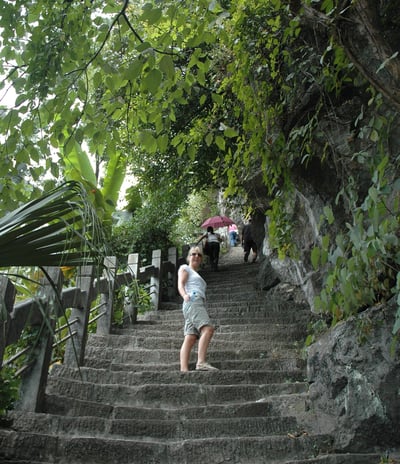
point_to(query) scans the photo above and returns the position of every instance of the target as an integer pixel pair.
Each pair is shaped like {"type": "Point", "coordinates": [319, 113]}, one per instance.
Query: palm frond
{"type": "Point", "coordinates": [61, 228]}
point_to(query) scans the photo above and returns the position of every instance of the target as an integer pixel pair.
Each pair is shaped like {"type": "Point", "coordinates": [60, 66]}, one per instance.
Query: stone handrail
{"type": "Point", "coordinates": [52, 302]}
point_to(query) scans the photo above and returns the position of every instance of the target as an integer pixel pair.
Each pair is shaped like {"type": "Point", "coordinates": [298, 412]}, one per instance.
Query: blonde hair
{"type": "Point", "coordinates": [194, 249]}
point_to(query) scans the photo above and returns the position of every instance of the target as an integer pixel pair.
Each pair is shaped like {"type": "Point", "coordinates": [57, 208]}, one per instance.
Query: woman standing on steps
{"type": "Point", "coordinates": [192, 288]}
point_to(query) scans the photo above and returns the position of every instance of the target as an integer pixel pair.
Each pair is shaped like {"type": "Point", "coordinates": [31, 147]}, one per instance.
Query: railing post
{"type": "Point", "coordinates": [173, 276]}
{"type": "Point", "coordinates": [107, 297]}
{"type": "Point", "coordinates": [133, 269]}
{"type": "Point", "coordinates": [7, 298]}
{"type": "Point", "coordinates": [76, 345]}
{"type": "Point", "coordinates": [34, 379]}
{"type": "Point", "coordinates": [155, 281]}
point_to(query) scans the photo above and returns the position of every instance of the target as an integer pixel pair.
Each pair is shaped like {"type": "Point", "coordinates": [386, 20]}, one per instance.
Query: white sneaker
{"type": "Point", "coordinates": [205, 367]}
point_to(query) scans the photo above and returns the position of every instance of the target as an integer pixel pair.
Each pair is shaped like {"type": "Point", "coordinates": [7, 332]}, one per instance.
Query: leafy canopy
{"type": "Point", "coordinates": [118, 80]}
{"type": "Point", "coordinates": [186, 95]}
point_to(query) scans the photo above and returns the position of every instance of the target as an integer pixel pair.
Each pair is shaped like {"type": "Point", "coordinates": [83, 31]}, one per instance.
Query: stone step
{"type": "Point", "coordinates": [35, 448]}
{"type": "Point", "coordinates": [345, 458]}
{"type": "Point", "coordinates": [215, 355]}
{"type": "Point", "coordinates": [261, 316]}
{"type": "Point", "coordinates": [240, 276]}
{"type": "Point", "coordinates": [241, 336]}
{"type": "Point", "coordinates": [242, 270]}
{"type": "Point", "coordinates": [267, 308]}
{"type": "Point", "coordinates": [171, 395]}
{"type": "Point", "coordinates": [276, 361]}
{"type": "Point", "coordinates": [167, 429]}
{"type": "Point", "coordinates": [222, 377]}
{"type": "Point", "coordinates": [229, 340]}
{"type": "Point", "coordinates": [165, 327]}
{"type": "Point", "coordinates": [226, 285]}
{"type": "Point", "coordinates": [229, 283]}
{"type": "Point", "coordinates": [226, 365]}
{"type": "Point", "coordinates": [267, 407]}
{"type": "Point", "coordinates": [237, 319]}
{"type": "Point", "coordinates": [251, 308]}
{"type": "Point", "coordinates": [217, 343]}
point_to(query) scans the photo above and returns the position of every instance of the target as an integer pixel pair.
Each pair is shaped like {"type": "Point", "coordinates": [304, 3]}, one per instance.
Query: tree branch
{"type": "Point", "coordinates": [359, 31]}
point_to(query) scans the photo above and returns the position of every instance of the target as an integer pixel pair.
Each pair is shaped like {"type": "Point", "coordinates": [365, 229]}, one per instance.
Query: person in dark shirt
{"type": "Point", "coordinates": [213, 246]}
{"type": "Point", "coordinates": [248, 242]}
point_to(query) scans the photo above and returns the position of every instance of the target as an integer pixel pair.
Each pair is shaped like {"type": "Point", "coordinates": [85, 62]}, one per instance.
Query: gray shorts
{"type": "Point", "coordinates": [196, 316]}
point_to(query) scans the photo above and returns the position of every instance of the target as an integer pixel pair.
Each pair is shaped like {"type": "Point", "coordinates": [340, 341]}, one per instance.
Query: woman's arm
{"type": "Point", "coordinates": [182, 279]}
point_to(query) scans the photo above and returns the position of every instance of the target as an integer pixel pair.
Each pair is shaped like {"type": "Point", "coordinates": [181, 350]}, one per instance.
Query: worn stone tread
{"type": "Point", "coordinates": [342, 458]}
{"type": "Point", "coordinates": [99, 450]}
{"type": "Point", "coordinates": [283, 372]}
{"type": "Point", "coordinates": [165, 395]}
{"type": "Point", "coordinates": [265, 407]}
{"type": "Point", "coordinates": [179, 428]}
{"type": "Point", "coordinates": [151, 356]}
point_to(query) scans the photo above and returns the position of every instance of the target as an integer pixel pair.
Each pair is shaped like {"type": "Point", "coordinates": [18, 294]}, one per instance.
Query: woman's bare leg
{"type": "Point", "coordinates": [206, 333]}
{"type": "Point", "coordinates": [186, 348]}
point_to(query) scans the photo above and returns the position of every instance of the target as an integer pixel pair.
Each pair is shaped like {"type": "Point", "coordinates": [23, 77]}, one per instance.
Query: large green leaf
{"type": "Point", "coordinates": [78, 165]}
{"type": "Point", "coordinates": [113, 180]}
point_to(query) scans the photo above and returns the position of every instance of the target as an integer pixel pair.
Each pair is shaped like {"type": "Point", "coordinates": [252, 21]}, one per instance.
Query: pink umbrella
{"type": "Point", "coordinates": [217, 221]}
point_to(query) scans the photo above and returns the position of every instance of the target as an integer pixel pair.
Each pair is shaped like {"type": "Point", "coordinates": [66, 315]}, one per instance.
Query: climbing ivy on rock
{"type": "Point", "coordinates": [362, 261]}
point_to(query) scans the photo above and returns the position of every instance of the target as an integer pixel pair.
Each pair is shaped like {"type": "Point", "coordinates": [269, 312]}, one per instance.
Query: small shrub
{"type": "Point", "coordinates": [9, 389]}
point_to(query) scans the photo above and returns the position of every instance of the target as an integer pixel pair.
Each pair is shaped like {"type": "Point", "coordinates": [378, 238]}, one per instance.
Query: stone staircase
{"type": "Point", "coordinates": [131, 404]}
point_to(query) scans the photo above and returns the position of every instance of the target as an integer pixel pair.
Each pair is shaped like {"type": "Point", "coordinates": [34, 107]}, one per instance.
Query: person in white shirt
{"type": "Point", "coordinates": [198, 326]}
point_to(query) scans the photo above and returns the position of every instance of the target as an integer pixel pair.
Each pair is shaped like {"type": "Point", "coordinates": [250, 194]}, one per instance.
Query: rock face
{"type": "Point", "coordinates": [354, 377]}
{"type": "Point", "coordinates": [305, 212]}
{"type": "Point", "coordinates": [354, 368]}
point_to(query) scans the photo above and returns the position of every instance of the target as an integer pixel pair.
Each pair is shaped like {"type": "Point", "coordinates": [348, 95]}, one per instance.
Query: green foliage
{"type": "Point", "coordinates": [121, 79]}
{"type": "Point", "coordinates": [198, 207]}
{"type": "Point", "coordinates": [179, 226]}
{"type": "Point", "coordinates": [62, 330]}
{"type": "Point", "coordinates": [252, 87]}
{"type": "Point", "coordinates": [386, 459]}
{"type": "Point", "coordinates": [119, 307]}
{"type": "Point", "coordinates": [135, 295]}
{"type": "Point", "coordinates": [9, 379]}
{"type": "Point", "coordinates": [133, 198]}
{"type": "Point", "coordinates": [9, 390]}
{"type": "Point", "coordinates": [396, 327]}
{"type": "Point", "coordinates": [315, 330]}
{"type": "Point", "coordinates": [78, 168]}
{"type": "Point", "coordinates": [280, 227]}
{"type": "Point", "coordinates": [156, 87]}
{"type": "Point", "coordinates": [365, 327]}
{"type": "Point", "coordinates": [140, 297]}
{"type": "Point", "coordinates": [148, 230]}
{"type": "Point", "coordinates": [364, 263]}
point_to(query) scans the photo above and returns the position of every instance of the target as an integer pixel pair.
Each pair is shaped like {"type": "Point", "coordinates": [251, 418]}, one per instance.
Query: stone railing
{"type": "Point", "coordinates": [92, 300]}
